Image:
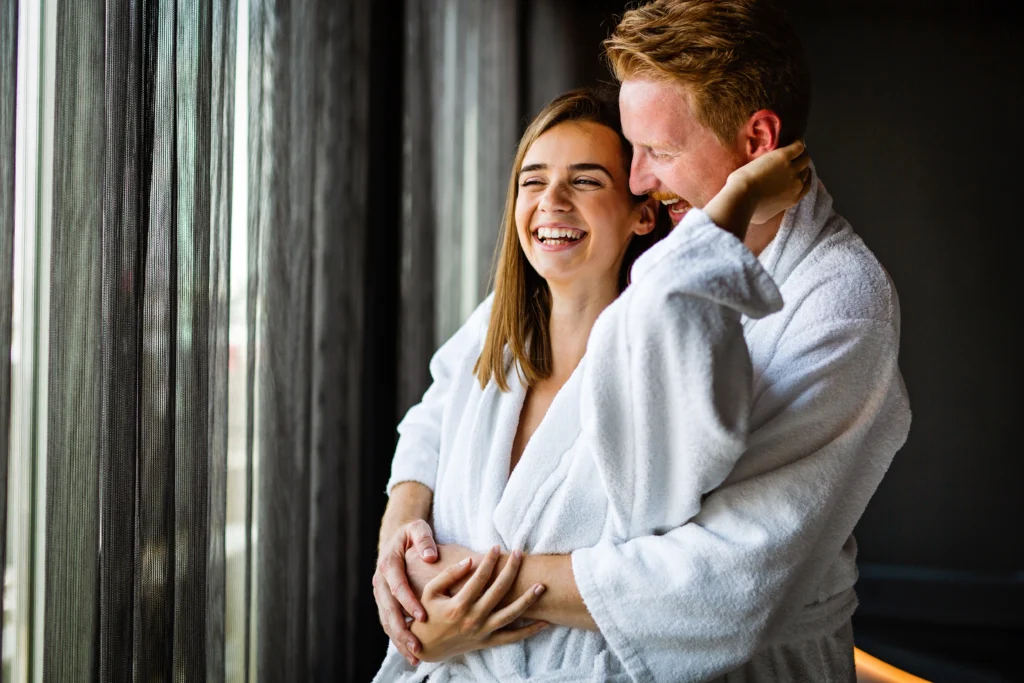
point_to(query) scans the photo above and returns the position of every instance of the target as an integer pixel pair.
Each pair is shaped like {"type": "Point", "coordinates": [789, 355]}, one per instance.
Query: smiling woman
{"type": "Point", "coordinates": [568, 212]}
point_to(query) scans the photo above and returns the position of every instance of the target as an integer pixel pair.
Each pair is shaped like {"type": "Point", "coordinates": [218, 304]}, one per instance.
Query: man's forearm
{"type": "Point", "coordinates": [409, 501]}
{"type": "Point", "coordinates": [561, 602]}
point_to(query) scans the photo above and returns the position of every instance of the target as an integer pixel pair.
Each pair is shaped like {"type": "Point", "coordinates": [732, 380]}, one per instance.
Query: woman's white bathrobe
{"type": "Point", "coordinates": [654, 417]}
{"type": "Point", "coordinates": [759, 583]}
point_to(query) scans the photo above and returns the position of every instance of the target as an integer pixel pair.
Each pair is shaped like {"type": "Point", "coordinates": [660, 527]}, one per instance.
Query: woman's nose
{"type": "Point", "coordinates": [555, 198]}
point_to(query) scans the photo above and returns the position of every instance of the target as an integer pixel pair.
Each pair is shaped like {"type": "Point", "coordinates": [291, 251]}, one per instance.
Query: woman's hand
{"type": "Point", "coordinates": [761, 189]}
{"type": "Point", "coordinates": [467, 620]}
{"type": "Point", "coordinates": [419, 572]}
{"type": "Point", "coordinates": [775, 181]}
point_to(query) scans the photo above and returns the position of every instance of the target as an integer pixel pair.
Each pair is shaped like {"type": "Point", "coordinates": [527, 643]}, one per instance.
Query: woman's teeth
{"type": "Point", "coordinates": [555, 236]}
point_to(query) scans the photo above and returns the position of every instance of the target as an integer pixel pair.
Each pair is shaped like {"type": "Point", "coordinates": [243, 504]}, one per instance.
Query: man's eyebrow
{"type": "Point", "coordinates": [586, 166]}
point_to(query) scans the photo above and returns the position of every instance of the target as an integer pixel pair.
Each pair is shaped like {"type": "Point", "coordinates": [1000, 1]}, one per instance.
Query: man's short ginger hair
{"type": "Point", "coordinates": [735, 56]}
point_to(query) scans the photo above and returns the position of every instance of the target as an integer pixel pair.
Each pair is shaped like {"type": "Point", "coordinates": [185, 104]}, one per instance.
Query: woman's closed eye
{"type": "Point", "coordinates": [588, 183]}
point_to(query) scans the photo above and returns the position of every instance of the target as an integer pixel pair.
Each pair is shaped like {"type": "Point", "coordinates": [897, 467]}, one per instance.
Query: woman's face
{"type": "Point", "coordinates": [574, 213]}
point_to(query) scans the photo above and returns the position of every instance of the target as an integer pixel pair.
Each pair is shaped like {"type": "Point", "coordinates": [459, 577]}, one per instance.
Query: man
{"type": "Point", "coordinates": [760, 581]}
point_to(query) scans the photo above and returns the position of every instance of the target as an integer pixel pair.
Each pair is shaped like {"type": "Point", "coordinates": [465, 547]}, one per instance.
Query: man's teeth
{"type": "Point", "coordinates": [548, 235]}
{"type": "Point", "coordinates": [670, 202]}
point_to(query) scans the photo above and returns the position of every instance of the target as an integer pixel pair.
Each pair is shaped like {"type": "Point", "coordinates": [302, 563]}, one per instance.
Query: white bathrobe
{"type": "Point", "coordinates": [654, 418]}
{"type": "Point", "coordinates": [758, 585]}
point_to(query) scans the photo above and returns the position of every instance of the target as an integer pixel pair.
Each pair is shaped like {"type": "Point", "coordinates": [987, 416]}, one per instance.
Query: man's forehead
{"type": "Point", "coordinates": [653, 114]}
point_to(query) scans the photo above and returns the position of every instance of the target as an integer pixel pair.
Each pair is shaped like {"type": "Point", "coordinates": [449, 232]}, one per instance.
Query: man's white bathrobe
{"type": "Point", "coordinates": [654, 417]}
{"type": "Point", "coordinates": [757, 584]}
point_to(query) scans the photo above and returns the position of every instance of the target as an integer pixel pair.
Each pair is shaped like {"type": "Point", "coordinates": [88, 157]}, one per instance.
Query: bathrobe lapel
{"type": "Point", "coordinates": [799, 231]}
{"type": "Point", "coordinates": [540, 469]}
{"type": "Point", "coordinates": [490, 447]}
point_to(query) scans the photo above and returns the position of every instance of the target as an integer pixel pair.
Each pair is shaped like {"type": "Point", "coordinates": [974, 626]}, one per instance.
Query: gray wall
{"type": "Point", "coordinates": [912, 130]}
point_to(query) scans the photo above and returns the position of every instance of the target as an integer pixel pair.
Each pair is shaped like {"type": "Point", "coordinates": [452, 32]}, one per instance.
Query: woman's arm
{"type": "Point", "coordinates": [419, 443]}
{"type": "Point", "coordinates": [559, 604]}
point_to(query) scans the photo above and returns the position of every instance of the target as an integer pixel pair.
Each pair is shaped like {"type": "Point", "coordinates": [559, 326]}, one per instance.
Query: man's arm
{"type": "Point", "coordinates": [410, 501]}
{"type": "Point", "coordinates": [561, 602]}
{"type": "Point", "coordinates": [702, 598]}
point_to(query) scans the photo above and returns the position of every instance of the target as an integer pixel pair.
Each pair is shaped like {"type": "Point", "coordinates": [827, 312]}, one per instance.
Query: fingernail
{"type": "Point", "coordinates": [465, 562]}
{"type": "Point", "coordinates": [419, 615]}
{"type": "Point", "coordinates": [538, 589]}
{"type": "Point", "coordinates": [412, 645]}
{"type": "Point", "coordinates": [429, 552]}
{"type": "Point", "coordinates": [517, 554]}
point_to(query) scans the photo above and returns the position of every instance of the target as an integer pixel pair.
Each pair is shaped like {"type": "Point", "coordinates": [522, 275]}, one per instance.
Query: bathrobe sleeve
{"type": "Point", "coordinates": [666, 406]}
{"type": "Point", "coordinates": [699, 600]}
{"type": "Point", "coordinates": [419, 441]}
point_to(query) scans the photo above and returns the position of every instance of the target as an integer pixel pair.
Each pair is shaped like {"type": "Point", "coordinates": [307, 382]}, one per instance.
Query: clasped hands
{"type": "Point", "coordinates": [438, 602]}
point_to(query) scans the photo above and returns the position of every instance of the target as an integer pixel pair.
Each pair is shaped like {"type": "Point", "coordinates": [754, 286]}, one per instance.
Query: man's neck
{"type": "Point", "coordinates": [760, 235]}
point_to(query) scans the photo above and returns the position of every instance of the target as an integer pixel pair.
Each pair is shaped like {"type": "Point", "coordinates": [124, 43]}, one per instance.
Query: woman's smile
{"type": "Point", "coordinates": [558, 236]}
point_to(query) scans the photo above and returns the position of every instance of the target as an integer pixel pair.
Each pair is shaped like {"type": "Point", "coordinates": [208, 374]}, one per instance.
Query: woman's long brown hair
{"type": "Point", "coordinates": [518, 330]}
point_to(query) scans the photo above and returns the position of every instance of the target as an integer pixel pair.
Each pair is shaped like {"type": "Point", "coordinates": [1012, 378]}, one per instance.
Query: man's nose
{"type": "Point", "coordinates": [640, 179]}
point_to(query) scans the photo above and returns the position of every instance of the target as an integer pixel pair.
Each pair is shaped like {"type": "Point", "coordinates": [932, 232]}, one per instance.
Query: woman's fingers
{"type": "Point", "coordinates": [510, 613]}
{"type": "Point", "coordinates": [469, 593]}
{"type": "Point", "coordinates": [794, 150]}
{"type": "Point", "coordinates": [502, 584]}
{"type": "Point", "coordinates": [448, 578]}
{"type": "Point", "coordinates": [514, 635]}
{"type": "Point", "coordinates": [802, 162]}
{"type": "Point", "coordinates": [806, 186]}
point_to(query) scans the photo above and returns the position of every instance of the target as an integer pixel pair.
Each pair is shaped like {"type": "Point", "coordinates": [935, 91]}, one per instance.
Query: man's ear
{"type": "Point", "coordinates": [760, 134]}
{"type": "Point", "coordinates": [647, 216]}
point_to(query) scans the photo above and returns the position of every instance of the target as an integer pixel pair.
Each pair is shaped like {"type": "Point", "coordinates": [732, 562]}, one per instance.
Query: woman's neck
{"type": "Point", "coordinates": [573, 312]}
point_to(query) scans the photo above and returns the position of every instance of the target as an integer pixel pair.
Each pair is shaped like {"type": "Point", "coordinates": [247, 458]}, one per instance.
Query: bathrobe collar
{"type": "Point", "coordinates": [798, 232]}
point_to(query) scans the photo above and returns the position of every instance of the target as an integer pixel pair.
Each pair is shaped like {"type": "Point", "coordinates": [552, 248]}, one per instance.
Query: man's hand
{"type": "Point", "coordinates": [403, 528]}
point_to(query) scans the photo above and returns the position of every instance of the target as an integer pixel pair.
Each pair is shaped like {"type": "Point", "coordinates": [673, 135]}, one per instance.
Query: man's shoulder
{"type": "Point", "coordinates": [840, 280]}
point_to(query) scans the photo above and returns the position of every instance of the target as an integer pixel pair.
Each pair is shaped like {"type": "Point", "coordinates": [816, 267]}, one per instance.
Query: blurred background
{"type": "Point", "coordinates": [232, 233]}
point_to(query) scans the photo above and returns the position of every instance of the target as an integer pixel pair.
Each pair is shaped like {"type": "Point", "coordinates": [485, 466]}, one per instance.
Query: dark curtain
{"type": "Point", "coordinates": [135, 465]}
{"type": "Point", "coordinates": [8, 99]}
{"type": "Point", "coordinates": [379, 137]}
{"type": "Point", "coordinates": [325, 183]}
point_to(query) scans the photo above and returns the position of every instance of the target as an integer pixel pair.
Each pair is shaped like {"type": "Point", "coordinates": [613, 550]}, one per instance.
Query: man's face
{"type": "Point", "coordinates": [674, 156]}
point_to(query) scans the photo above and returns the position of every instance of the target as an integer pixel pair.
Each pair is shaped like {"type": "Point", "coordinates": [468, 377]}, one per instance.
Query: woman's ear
{"type": "Point", "coordinates": [647, 217]}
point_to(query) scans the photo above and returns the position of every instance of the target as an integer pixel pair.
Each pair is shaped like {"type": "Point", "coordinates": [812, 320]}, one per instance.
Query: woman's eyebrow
{"type": "Point", "coordinates": [572, 167]}
{"type": "Point", "coordinates": [590, 167]}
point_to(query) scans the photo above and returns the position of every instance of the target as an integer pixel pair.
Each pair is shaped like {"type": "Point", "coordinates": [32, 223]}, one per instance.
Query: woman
{"type": "Point", "coordinates": [540, 454]}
